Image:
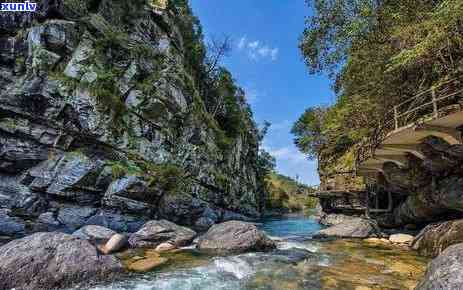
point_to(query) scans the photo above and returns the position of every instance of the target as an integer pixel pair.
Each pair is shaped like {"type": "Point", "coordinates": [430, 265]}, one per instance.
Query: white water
{"type": "Point", "coordinates": [233, 272]}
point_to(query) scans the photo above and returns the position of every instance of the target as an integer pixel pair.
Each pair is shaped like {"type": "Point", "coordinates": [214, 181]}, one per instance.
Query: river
{"type": "Point", "coordinates": [342, 264]}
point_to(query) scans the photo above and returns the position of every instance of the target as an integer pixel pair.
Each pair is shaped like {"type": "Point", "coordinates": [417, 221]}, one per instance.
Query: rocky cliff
{"type": "Point", "coordinates": [430, 189]}
{"type": "Point", "coordinates": [104, 120]}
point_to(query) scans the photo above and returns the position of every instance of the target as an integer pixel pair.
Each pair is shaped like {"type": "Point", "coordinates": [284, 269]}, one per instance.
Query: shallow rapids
{"type": "Point", "coordinates": [299, 263]}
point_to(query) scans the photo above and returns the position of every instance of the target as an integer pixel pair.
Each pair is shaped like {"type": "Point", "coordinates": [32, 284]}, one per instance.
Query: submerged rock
{"type": "Point", "coordinates": [234, 237]}
{"type": "Point", "coordinates": [293, 255]}
{"type": "Point", "coordinates": [401, 238]}
{"type": "Point", "coordinates": [154, 233]}
{"type": "Point", "coordinates": [354, 228]}
{"type": "Point", "coordinates": [146, 265]}
{"type": "Point", "coordinates": [377, 241]}
{"type": "Point", "coordinates": [435, 238]}
{"type": "Point", "coordinates": [53, 261]}
{"type": "Point", "coordinates": [149, 262]}
{"type": "Point", "coordinates": [445, 271]}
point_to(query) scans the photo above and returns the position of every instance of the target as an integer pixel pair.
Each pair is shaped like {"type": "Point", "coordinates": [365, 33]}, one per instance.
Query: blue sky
{"type": "Point", "coordinates": [266, 62]}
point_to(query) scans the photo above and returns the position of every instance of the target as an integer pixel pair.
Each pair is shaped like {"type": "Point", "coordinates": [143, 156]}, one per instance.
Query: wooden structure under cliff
{"type": "Point", "coordinates": [338, 195]}
{"type": "Point", "coordinates": [409, 162]}
{"type": "Point", "coordinates": [415, 156]}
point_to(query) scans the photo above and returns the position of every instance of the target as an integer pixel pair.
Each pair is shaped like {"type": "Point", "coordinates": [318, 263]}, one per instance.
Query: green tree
{"type": "Point", "coordinates": [309, 131]}
{"type": "Point", "coordinates": [378, 53]}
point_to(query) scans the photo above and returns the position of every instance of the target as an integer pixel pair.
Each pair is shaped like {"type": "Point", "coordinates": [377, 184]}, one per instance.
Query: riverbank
{"type": "Point", "coordinates": [233, 255]}
{"type": "Point", "coordinates": [299, 262]}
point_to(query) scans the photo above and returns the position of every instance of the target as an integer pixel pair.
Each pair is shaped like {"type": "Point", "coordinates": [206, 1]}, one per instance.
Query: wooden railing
{"type": "Point", "coordinates": [436, 102]}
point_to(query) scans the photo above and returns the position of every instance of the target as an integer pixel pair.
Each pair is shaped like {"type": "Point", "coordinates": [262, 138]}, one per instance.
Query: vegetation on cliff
{"type": "Point", "coordinates": [121, 109]}
{"type": "Point", "coordinates": [288, 195]}
{"type": "Point", "coordinates": [378, 53]}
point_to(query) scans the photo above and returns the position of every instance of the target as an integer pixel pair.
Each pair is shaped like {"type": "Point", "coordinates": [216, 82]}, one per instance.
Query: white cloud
{"type": "Point", "coordinates": [253, 45]}
{"type": "Point", "coordinates": [274, 53]}
{"type": "Point", "coordinates": [292, 163]}
{"type": "Point", "coordinates": [287, 153]}
{"type": "Point", "coordinates": [256, 50]}
{"type": "Point", "coordinates": [242, 43]}
{"type": "Point", "coordinates": [264, 51]}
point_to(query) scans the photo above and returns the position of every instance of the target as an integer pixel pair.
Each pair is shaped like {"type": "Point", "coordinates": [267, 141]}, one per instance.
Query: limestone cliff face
{"type": "Point", "coordinates": [101, 122]}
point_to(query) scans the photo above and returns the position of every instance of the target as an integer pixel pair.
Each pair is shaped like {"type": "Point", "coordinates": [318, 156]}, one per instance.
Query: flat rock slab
{"type": "Point", "coordinates": [53, 261]}
{"type": "Point", "coordinates": [353, 228]}
{"type": "Point", "coordinates": [377, 241]}
{"type": "Point", "coordinates": [234, 237]}
{"type": "Point", "coordinates": [335, 219]}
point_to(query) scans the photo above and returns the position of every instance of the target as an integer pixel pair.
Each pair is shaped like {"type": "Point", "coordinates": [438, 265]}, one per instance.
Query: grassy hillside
{"type": "Point", "coordinates": [287, 195]}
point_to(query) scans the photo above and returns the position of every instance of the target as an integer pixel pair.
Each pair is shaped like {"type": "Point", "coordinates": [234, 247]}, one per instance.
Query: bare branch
{"type": "Point", "coordinates": [217, 50]}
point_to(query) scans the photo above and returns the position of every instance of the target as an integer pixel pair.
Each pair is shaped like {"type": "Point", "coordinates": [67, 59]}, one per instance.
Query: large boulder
{"type": "Point", "coordinates": [53, 261]}
{"type": "Point", "coordinates": [186, 210]}
{"type": "Point", "coordinates": [354, 228]}
{"type": "Point", "coordinates": [435, 238]}
{"type": "Point", "coordinates": [154, 233]}
{"type": "Point", "coordinates": [234, 237]}
{"type": "Point", "coordinates": [183, 209]}
{"type": "Point", "coordinates": [94, 234]}
{"type": "Point", "coordinates": [117, 222]}
{"type": "Point", "coordinates": [445, 271]}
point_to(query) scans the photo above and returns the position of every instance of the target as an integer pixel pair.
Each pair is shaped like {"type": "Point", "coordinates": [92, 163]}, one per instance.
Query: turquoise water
{"type": "Point", "coordinates": [337, 265]}
{"type": "Point", "coordinates": [233, 272]}
{"type": "Point", "coordinates": [298, 227]}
